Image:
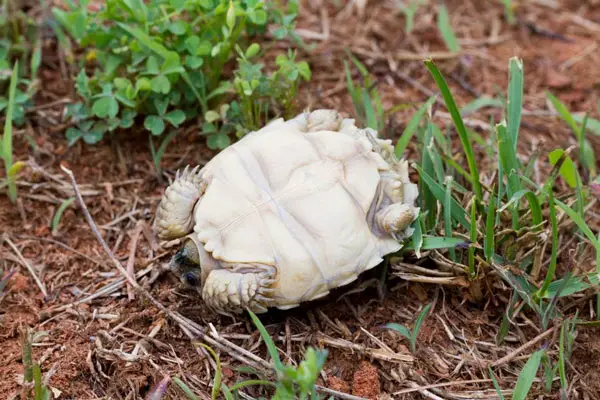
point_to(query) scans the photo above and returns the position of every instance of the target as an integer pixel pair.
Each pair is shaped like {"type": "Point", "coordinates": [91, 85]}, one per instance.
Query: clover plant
{"type": "Point", "coordinates": [164, 63]}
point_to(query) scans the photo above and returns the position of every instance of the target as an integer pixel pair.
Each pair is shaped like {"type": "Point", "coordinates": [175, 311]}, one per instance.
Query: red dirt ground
{"type": "Point", "coordinates": [87, 346]}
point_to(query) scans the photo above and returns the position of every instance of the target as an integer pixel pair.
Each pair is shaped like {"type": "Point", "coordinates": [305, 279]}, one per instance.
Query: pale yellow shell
{"type": "Point", "coordinates": [297, 195]}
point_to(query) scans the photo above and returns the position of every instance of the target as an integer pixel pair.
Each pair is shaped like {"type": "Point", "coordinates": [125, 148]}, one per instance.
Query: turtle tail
{"type": "Point", "coordinates": [174, 217]}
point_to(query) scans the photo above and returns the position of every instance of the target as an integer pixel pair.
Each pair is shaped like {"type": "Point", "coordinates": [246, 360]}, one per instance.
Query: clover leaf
{"type": "Point", "coordinates": [88, 131]}
{"type": "Point", "coordinates": [154, 124]}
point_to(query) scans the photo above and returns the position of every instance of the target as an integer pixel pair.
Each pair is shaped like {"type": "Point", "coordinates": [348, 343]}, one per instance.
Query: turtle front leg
{"type": "Point", "coordinates": [232, 289]}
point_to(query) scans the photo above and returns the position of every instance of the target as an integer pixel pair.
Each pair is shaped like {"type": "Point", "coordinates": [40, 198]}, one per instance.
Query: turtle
{"type": "Point", "coordinates": [287, 213]}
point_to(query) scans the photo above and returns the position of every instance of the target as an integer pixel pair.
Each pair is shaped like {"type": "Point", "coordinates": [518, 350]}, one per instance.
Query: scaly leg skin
{"type": "Point", "coordinates": [317, 120]}
{"type": "Point", "coordinates": [231, 290]}
{"type": "Point", "coordinates": [395, 216]}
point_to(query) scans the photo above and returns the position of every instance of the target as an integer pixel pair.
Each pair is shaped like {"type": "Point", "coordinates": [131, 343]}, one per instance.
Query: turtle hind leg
{"type": "Point", "coordinates": [232, 289]}
{"type": "Point", "coordinates": [396, 210]}
{"type": "Point", "coordinates": [395, 218]}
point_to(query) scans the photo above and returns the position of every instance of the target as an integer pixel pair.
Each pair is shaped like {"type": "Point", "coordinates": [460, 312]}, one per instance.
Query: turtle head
{"type": "Point", "coordinates": [186, 264]}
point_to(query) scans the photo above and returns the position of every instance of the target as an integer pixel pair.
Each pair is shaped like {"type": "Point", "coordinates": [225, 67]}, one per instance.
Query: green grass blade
{"type": "Point", "coordinates": [401, 329]}
{"type": "Point", "coordinates": [436, 164]}
{"type": "Point", "coordinates": [7, 136]}
{"type": "Point", "coordinates": [592, 124]}
{"type": "Point", "coordinates": [370, 115]}
{"type": "Point", "coordinates": [448, 215]}
{"type": "Point", "coordinates": [147, 41]}
{"type": "Point", "coordinates": [218, 372]}
{"type": "Point", "coordinates": [417, 327]}
{"type": "Point", "coordinates": [575, 284]}
{"type": "Point", "coordinates": [451, 162]}
{"type": "Point", "coordinates": [527, 376]}
{"type": "Point", "coordinates": [459, 124]}
{"type": "Point", "coordinates": [157, 155]}
{"type": "Point", "coordinates": [445, 28]}
{"type": "Point", "coordinates": [554, 249]}
{"type": "Point", "coordinates": [440, 138]}
{"type": "Point", "coordinates": [411, 128]}
{"type": "Point", "coordinates": [361, 68]}
{"type": "Point", "coordinates": [505, 324]}
{"type": "Point", "coordinates": [579, 194]}
{"type": "Point", "coordinates": [226, 392]}
{"type": "Point", "coordinates": [185, 388]}
{"type": "Point", "coordinates": [567, 170]}
{"type": "Point", "coordinates": [473, 237]}
{"type": "Point", "coordinates": [564, 114]}
{"type": "Point", "coordinates": [495, 383]}
{"type": "Point", "coordinates": [501, 189]}
{"type": "Point", "coordinates": [250, 382]}
{"type": "Point", "coordinates": [586, 151]}
{"type": "Point", "coordinates": [509, 12]}
{"type": "Point", "coordinates": [515, 100]}
{"type": "Point", "coordinates": [490, 224]}
{"type": "Point", "coordinates": [579, 222]}
{"type": "Point", "coordinates": [561, 356]}
{"type": "Point", "coordinates": [534, 204]}
{"type": "Point", "coordinates": [458, 213]}
{"type": "Point", "coordinates": [428, 200]}
{"type": "Point", "coordinates": [529, 168]}
{"type": "Point", "coordinates": [352, 90]}
{"type": "Point", "coordinates": [272, 349]}
{"type": "Point", "coordinates": [417, 237]}
{"type": "Point", "coordinates": [479, 103]}
{"type": "Point", "coordinates": [61, 209]}
{"type": "Point", "coordinates": [37, 382]}
{"type": "Point", "coordinates": [508, 157]}
{"type": "Point", "coordinates": [438, 242]}
{"type": "Point", "coordinates": [588, 157]}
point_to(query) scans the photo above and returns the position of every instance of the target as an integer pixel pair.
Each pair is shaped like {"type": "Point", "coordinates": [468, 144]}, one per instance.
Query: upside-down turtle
{"type": "Point", "coordinates": [287, 213]}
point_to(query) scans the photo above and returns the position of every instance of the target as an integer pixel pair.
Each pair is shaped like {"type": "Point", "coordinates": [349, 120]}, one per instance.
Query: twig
{"type": "Point", "coordinates": [439, 385]}
{"type": "Point", "coordinates": [27, 265]}
{"type": "Point", "coordinates": [516, 352]}
{"type": "Point", "coordinates": [113, 258]}
{"type": "Point", "coordinates": [425, 392]}
{"type": "Point", "coordinates": [61, 244]}
{"type": "Point", "coordinates": [375, 353]}
{"type": "Point", "coordinates": [131, 260]}
{"type": "Point", "coordinates": [104, 291]}
{"type": "Point", "coordinates": [339, 395]}
{"type": "Point", "coordinates": [121, 218]}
